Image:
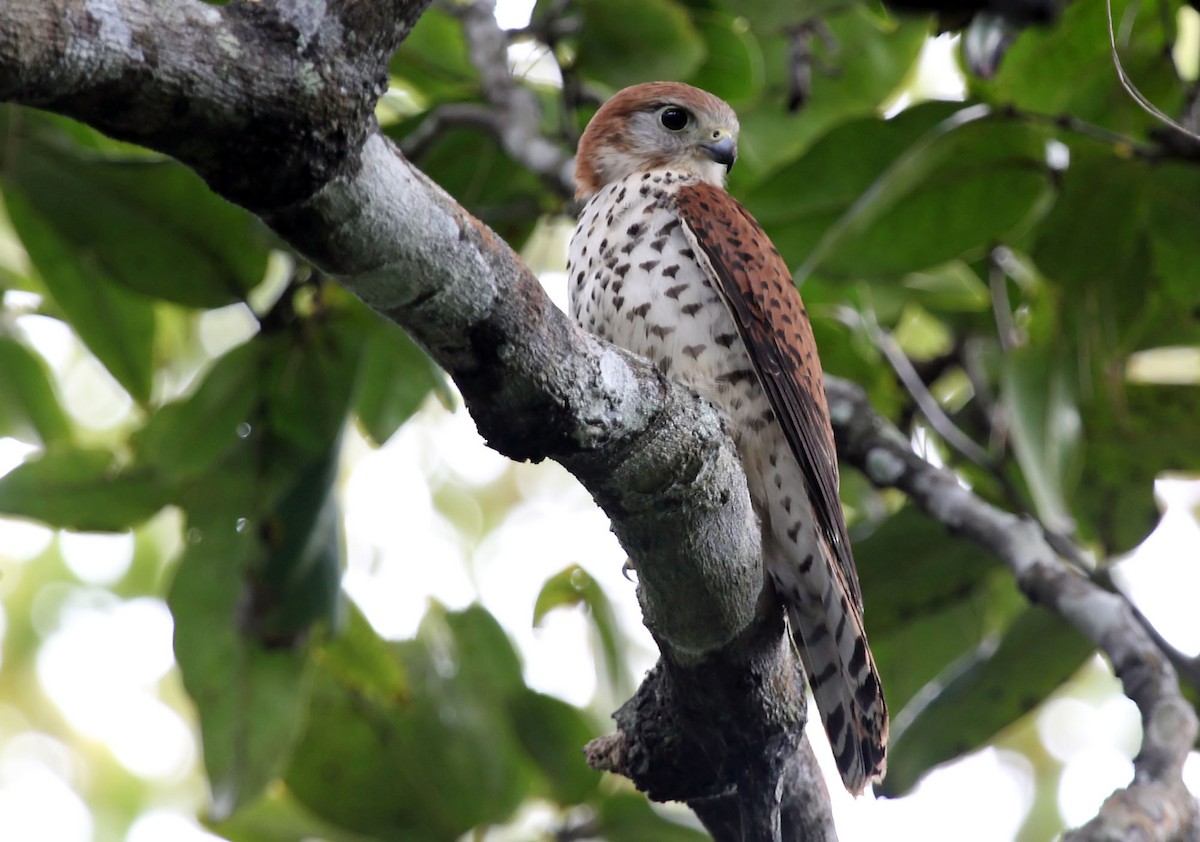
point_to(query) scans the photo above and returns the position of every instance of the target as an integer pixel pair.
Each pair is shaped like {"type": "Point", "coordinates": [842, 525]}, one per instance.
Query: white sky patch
{"type": "Point", "coordinates": [1171, 554]}
{"type": "Point", "coordinates": [54, 340]}
{"type": "Point", "coordinates": [161, 825]}
{"type": "Point", "coordinates": [401, 551]}
{"type": "Point", "coordinates": [1191, 772]}
{"type": "Point", "coordinates": [91, 396]}
{"type": "Point", "coordinates": [1069, 726]}
{"type": "Point", "coordinates": [533, 62]}
{"type": "Point", "coordinates": [514, 14]}
{"type": "Point", "coordinates": [1087, 779]}
{"type": "Point", "coordinates": [226, 328]}
{"type": "Point", "coordinates": [97, 558]}
{"type": "Point", "coordinates": [37, 801]}
{"type": "Point", "coordinates": [102, 667]}
{"type": "Point", "coordinates": [989, 791]}
{"type": "Point", "coordinates": [21, 539]}
{"type": "Point", "coordinates": [12, 453]}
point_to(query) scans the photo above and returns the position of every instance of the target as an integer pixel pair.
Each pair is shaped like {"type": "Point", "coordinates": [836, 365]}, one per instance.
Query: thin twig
{"type": "Point", "coordinates": [1132, 89]}
{"type": "Point", "coordinates": [517, 112]}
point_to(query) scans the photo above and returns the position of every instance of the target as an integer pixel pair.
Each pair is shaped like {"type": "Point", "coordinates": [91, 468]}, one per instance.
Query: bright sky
{"type": "Point", "coordinates": [104, 659]}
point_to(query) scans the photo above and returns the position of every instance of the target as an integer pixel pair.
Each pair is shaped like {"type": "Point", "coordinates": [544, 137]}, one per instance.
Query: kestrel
{"type": "Point", "coordinates": [668, 265]}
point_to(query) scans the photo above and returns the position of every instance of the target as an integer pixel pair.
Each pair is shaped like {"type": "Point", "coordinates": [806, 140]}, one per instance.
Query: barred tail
{"type": "Point", "coordinates": [845, 684]}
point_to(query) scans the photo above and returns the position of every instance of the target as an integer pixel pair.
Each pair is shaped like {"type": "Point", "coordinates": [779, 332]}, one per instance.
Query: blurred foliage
{"type": "Point", "coordinates": [1019, 245]}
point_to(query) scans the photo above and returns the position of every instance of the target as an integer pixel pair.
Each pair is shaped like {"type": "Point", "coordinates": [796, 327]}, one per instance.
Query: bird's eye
{"type": "Point", "coordinates": [673, 118]}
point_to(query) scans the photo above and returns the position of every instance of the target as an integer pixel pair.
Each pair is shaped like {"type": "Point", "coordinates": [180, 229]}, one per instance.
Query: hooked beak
{"type": "Point", "coordinates": [723, 150]}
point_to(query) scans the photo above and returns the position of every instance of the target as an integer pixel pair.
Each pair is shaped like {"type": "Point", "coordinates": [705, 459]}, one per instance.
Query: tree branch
{"type": "Point", "coordinates": [1156, 805]}
{"type": "Point", "coordinates": [517, 113]}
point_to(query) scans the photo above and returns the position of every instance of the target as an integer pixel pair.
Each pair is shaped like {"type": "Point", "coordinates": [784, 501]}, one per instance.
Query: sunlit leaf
{"type": "Point", "coordinates": [575, 586]}
{"type": "Point", "coordinates": [29, 407]}
{"type": "Point", "coordinates": [395, 378]}
{"type": "Point", "coordinates": [115, 324]}
{"type": "Point", "coordinates": [187, 438]}
{"type": "Point", "coordinates": [82, 489]}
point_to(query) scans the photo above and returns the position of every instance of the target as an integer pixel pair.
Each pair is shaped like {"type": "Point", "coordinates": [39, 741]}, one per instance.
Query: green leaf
{"type": "Point", "coordinates": [950, 287]}
{"type": "Point", "coordinates": [930, 598]}
{"type": "Point", "coordinates": [623, 42]}
{"type": "Point", "coordinates": [1173, 219]}
{"type": "Point", "coordinates": [116, 325]}
{"type": "Point", "coordinates": [575, 586]}
{"type": "Point", "coordinates": [395, 377]}
{"type": "Point", "coordinates": [1040, 402]}
{"type": "Point", "coordinates": [278, 817]}
{"type": "Point", "coordinates": [296, 584]}
{"type": "Point", "coordinates": [250, 698]}
{"type": "Point", "coordinates": [312, 380]}
{"type": "Point", "coordinates": [474, 640]}
{"type": "Point", "coordinates": [433, 58]}
{"type": "Point", "coordinates": [363, 662]}
{"type": "Point", "coordinates": [976, 698]}
{"type": "Point", "coordinates": [185, 439]}
{"type": "Point", "coordinates": [1133, 433]}
{"type": "Point", "coordinates": [628, 817]}
{"type": "Point", "coordinates": [29, 407]}
{"type": "Point", "coordinates": [964, 183]}
{"type": "Point", "coordinates": [1090, 238]}
{"type": "Point", "coordinates": [149, 224]}
{"type": "Point", "coordinates": [770, 16]}
{"type": "Point", "coordinates": [429, 766]}
{"type": "Point", "coordinates": [852, 80]}
{"type": "Point", "coordinates": [732, 68]}
{"type": "Point", "coordinates": [1067, 69]}
{"type": "Point", "coordinates": [82, 489]}
{"type": "Point", "coordinates": [553, 734]}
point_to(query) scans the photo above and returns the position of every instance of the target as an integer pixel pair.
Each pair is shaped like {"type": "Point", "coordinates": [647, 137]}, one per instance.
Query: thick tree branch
{"type": "Point", "coordinates": [1156, 805]}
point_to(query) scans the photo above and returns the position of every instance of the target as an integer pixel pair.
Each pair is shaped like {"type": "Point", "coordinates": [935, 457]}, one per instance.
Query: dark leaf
{"type": "Point", "coordinates": [975, 698]}
{"type": "Point", "coordinates": [623, 42]}
{"type": "Point", "coordinates": [149, 224]}
{"type": "Point", "coordinates": [116, 325]}
{"type": "Point", "coordinates": [553, 734]}
{"type": "Point", "coordinates": [250, 698]}
{"type": "Point", "coordinates": [29, 407]}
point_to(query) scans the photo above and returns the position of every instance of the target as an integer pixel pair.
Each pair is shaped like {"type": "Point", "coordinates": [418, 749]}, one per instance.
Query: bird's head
{"type": "Point", "coordinates": [657, 125]}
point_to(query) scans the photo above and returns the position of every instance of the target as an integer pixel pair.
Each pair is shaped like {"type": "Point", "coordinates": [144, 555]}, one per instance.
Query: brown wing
{"type": "Point", "coordinates": [772, 322]}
